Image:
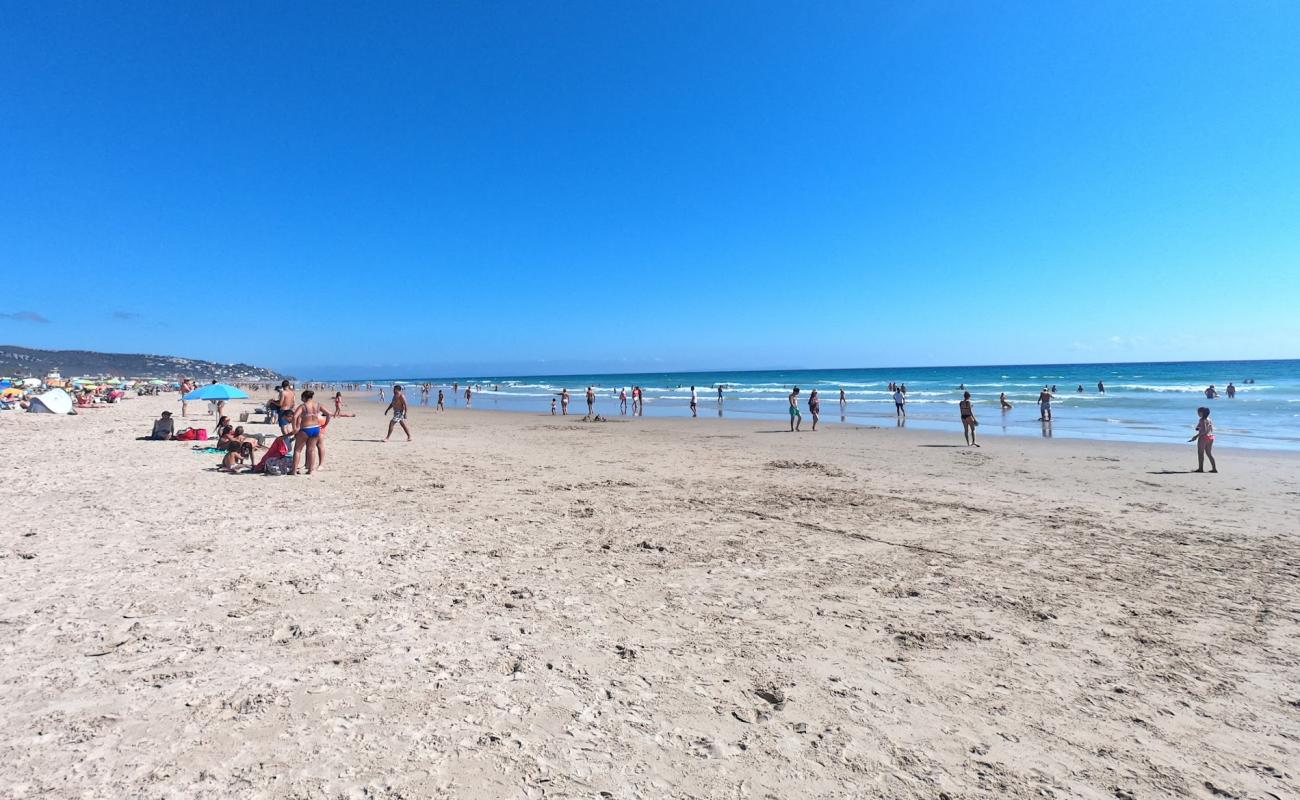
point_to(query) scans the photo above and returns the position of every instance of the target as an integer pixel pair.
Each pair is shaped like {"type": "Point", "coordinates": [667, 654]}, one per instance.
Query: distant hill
{"type": "Point", "coordinates": [27, 362]}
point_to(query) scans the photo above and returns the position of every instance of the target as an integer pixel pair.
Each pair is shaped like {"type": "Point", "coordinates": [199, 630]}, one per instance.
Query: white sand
{"type": "Point", "coordinates": [526, 607]}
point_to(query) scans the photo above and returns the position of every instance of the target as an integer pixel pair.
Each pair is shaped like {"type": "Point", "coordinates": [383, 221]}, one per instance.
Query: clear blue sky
{"type": "Point", "coordinates": [549, 187]}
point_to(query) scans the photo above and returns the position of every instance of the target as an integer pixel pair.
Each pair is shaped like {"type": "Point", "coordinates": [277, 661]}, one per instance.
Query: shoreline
{"type": "Point", "coordinates": [922, 427]}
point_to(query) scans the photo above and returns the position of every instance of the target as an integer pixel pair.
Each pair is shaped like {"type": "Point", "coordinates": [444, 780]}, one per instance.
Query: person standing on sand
{"type": "Point", "coordinates": [622, 401]}
{"type": "Point", "coordinates": [815, 407]}
{"type": "Point", "coordinates": [968, 421]}
{"type": "Point", "coordinates": [1204, 439]}
{"type": "Point", "coordinates": [900, 403]}
{"type": "Point", "coordinates": [338, 406]}
{"type": "Point", "coordinates": [564, 402]}
{"type": "Point", "coordinates": [442, 401]}
{"type": "Point", "coordinates": [398, 407]}
{"type": "Point", "coordinates": [285, 402]}
{"type": "Point", "coordinates": [1044, 405]}
{"type": "Point", "coordinates": [695, 401]}
{"type": "Point", "coordinates": [309, 420]}
{"type": "Point", "coordinates": [796, 419]}
{"type": "Point", "coordinates": [591, 401]}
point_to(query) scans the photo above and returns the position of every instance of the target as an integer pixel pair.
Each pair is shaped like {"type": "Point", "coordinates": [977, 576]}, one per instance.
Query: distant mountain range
{"type": "Point", "coordinates": [28, 362]}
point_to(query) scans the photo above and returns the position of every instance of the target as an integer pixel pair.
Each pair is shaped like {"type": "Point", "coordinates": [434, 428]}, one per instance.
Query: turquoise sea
{"type": "Point", "coordinates": [1151, 402]}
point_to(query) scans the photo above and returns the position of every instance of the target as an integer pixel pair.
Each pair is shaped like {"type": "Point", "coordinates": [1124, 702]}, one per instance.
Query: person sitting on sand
{"type": "Point", "coordinates": [309, 422]}
{"type": "Point", "coordinates": [968, 421]}
{"type": "Point", "coordinates": [815, 407]}
{"type": "Point", "coordinates": [1204, 439]}
{"type": "Point", "coordinates": [398, 407]}
{"type": "Point", "coordinates": [796, 419]}
{"type": "Point", "coordinates": [164, 428]}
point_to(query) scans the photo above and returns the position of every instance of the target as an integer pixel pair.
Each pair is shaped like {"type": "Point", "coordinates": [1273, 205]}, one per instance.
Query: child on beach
{"type": "Point", "coordinates": [796, 419]}
{"type": "Point", "coordinates": [552, 406]}
{"type": "Point", "coordinates": [1204, 439]}
{"type": "Point", "coordinates": [398, 407]}
{"type": "Point", "coordinates": [338, 406]}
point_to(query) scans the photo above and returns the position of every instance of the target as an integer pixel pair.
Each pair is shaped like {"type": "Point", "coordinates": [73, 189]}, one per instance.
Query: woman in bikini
{"type": "Point", "coordinates": [815, 407]}
{"type": "Point", "coordinates": [309, 420]}
{"type": "Point", "coordinates": [968, 421]}
{"type": "Point", "coordinates": [1204, 439]}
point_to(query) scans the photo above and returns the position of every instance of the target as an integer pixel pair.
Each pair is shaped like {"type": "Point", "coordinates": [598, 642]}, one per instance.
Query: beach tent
{"type": "Point", "coordinates": [216, 391]}
{"type": "Point", "coordinates": [55, 401]}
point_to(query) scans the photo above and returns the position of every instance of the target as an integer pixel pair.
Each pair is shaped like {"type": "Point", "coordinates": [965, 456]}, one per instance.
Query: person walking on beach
{"type": "Point", "coordinates": [719, 394]}
{"type": "Point", "coordinates": [398, 407]}
{"type": "Point", "coordinates": [442, 401]}
{"type": "Point", "coordinates": [469, 396]}
{"type": "Point", "coordinates": [338, 406]}
{"type": "Point", "coordinates": [1204, 439]}
{"type": "Point", "coordinates": [815, 407]}
{"type": "Point", "coordinates": [591, 401]}
{"type": "Point", "coordinates": [622, 401]}
{"type": "Point", "coordinates": [844, 401]}
{"type": "Point", "coordinates": [796, 419]}
{"type": "Point", "coordinates": [1044, 405]}
{"type": "Point", "coordinates": [900, 403]}
{"type": "Point", "coordinates": [968, 421]}
{"type": "Point", "coordinates": [695, 400]}
{"type": "Point", "coordinates": [309, 420]}
{"type": "Point", "coordinates": [564, 402]}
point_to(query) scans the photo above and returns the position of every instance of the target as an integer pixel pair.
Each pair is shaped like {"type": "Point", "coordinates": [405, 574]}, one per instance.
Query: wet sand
{"type": "Point", "coordinates": [524, 606]}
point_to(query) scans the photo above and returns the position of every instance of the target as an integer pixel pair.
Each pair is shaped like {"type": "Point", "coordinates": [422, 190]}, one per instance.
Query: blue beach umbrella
{"type": "Point", "coordinates": [216, 391]}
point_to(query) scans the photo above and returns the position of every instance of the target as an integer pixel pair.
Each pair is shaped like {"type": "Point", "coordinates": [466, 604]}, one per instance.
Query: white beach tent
{"type": "Point", "coordinates": [55, 401]}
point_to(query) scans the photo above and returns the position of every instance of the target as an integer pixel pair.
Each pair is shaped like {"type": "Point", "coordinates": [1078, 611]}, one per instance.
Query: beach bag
{"type": "Point", "coordinates": [279, 466]}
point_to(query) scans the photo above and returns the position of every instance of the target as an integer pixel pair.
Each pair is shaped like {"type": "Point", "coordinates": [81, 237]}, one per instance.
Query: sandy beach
{"type": "Point", "coordinates": [517, 606]}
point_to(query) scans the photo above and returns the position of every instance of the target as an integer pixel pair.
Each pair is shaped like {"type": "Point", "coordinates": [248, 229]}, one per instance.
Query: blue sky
{"type": "Point", "coordinates": [558, 187]}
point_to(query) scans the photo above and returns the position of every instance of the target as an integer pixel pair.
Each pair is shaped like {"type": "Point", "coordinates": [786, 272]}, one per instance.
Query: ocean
{"type": "Point", "coordinates": [1147, 402]}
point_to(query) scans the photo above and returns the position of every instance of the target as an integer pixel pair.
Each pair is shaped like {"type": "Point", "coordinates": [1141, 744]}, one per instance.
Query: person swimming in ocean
{"type": "Point", "coordinates": [399, 409]}
{"type": "Point", "coordinates": [309, 420]}
{"type": "Point", "coordinates": [1204, 439]}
